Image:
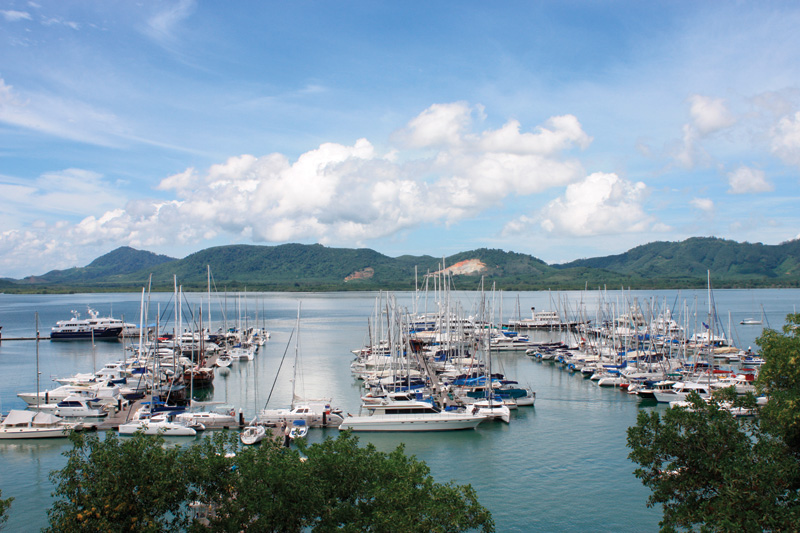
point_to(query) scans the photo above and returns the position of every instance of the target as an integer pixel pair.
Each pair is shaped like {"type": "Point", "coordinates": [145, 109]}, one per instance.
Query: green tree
{"type": "Point", "coordinates": [139, 484]}
{"type": "Point", "coordinates": [135, 484]}
{"type": "Point", "coordinates": [780, 378]}
{"type": "Point", "coordinates": [710, 470]}
{"type": "Point", "coordinates": [4, 505]}
{"type": "Point", "coordinates": [335, 485]}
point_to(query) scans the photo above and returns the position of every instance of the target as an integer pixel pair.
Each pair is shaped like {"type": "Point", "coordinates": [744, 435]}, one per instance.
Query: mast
{"type": "Point", "coordinates": [36, 321]}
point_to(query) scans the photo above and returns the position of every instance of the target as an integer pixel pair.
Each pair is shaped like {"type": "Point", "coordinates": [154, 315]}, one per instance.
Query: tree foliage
{"type": "Point", "coordinates": [334, 485]}
{"type": "Point", "coordinates": [710, 470]}
{"type": "Point", "coordinates": [780, 377]}
{"type": "Point", "coordinates": [115, 484]}
{"type": "Point", "coordinates": [4, 505]}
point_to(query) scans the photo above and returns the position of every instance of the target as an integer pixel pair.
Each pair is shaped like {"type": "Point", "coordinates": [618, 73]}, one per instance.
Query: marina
{"type": "Point", "coordinates": [543, 452]}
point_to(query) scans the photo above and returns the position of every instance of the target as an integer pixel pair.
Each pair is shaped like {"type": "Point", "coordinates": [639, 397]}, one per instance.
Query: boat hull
{"type": "Point", "coordinates": [99, 334]}
{"type": "Point", "coordinates": [410, 423]}
{"type": "Point", "coordinates": [33, 433]}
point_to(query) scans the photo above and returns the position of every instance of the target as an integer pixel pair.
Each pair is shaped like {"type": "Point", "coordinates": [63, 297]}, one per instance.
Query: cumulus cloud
{"type": "Point", "coordinates": [786, 139]}
{"type": "Point", "coordinates": [440, 125]}
{"type": "Point", "coordinates": [346, 194]}
{"type": "Point", "coordinates": [746, 180]}
{"type": "Point", "coordinates": [703, 204]}
{"type": "Point", "coordinates": [600, 204]}
{"type": "Point", "coordinates": [708, 115]}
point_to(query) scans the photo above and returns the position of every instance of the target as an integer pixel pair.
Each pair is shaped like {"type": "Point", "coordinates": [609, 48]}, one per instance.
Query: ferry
{"type": "Point", "coordinates": [87, 328]}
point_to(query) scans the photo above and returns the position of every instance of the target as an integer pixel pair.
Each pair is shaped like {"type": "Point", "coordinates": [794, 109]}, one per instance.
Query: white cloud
{"type": "Point", "coordinates": [745, 180]}
{"type": "Point", "coordinates": [600, 204]}
{"type": "Point", "coordinates": [14, 16]}
{"type": "Point", "coordinates": [349, 194]}
{"type": "Point", "coordinates": [786, 139]}
{"type": "Point", "coordinates": [709, 114]}
{"type": "Point", "coordinates": [440, 125]}
{"type": "Point", "coordinates": [58, 117]}
{"type": "Point", "coordinates": [161, 26]}
{"type": "Point", "coordinates": [703, 204]}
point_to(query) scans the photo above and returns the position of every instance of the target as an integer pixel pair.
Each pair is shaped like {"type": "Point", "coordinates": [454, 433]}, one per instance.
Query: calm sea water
{"type": "Point", "coordinates": [559, 466]}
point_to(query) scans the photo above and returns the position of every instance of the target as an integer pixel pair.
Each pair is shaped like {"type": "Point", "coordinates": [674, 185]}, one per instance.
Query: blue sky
{"type": "Point", "coordinates": [558, 129]}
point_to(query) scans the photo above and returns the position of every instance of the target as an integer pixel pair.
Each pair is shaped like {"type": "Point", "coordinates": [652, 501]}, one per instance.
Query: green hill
{"type": "Point", "coordinates": [728, 261]}
{"type": "Point", "coordinates": [299, 267]}
{"type": "Point", "coordinates": [114, 265]}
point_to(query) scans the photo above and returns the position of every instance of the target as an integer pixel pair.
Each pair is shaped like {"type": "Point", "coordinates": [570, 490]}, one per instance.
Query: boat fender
{"type": "Point", "coordinates": [325, 418]}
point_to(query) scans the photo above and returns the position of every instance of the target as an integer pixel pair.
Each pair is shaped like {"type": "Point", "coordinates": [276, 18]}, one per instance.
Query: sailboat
{"type": "Point", "coordinates": [314, 413]}
{"type": "Point", "coordinates": [754, 321]}
{"type": "Point", "coordinates": [254, 432]}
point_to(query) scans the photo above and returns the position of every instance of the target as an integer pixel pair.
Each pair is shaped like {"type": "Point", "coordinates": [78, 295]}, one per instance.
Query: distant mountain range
{"type": "Point", "coordinates": [299, 267]}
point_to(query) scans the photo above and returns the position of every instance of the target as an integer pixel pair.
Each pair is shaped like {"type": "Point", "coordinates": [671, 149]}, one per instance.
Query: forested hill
{"type": "Point", "coordinates": [294, 267]}
{"type": "Point", "coordinates": [692, 258]}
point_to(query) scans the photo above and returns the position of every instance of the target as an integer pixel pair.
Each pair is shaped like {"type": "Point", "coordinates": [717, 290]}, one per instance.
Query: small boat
{"type": "Point", "coordinates": [299, 429]}
{"type": "Point", "coordinates": [224, 360]}
{"type": "Point", "coordinates": [751, 322]}
{"type": "Point", "coordinates": [252, 434]}
{"type": "Point", "coordinates": [241, 353]}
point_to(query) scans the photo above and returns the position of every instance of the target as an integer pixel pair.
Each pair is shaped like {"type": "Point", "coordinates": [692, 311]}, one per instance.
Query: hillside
{"type": "Point", "coordinates": [726, 260]}
{"type": "Point", "coordinates": [299, 267]}
{"type": "Point", "coordinates": [113, 265]}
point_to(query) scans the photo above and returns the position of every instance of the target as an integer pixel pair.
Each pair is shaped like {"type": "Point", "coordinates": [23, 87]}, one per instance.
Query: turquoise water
{"type": "Point", "coordinates": [559, 466]}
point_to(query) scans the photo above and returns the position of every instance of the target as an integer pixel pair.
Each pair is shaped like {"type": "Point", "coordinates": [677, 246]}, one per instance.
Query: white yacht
{"type": "Point", "coordinates": [314, 414]}
{"type": "Point", "coordinates": [94, 327]}
{"type": "Point", "coordinates": [80, 406]}
{"type": "Point", "coordinates": [410, 416]}
{"type": "Point", "coordinates": [681, 390]}
{"type": "Point", "coordinates": [157, 424]}
{"type": "Point", "coordinates": [19, 424]}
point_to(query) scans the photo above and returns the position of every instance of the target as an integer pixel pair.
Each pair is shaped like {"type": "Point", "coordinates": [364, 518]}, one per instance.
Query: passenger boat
{"type": "Point", "coordinates": [410, 416]}
{"type": "Point", "coordinates": [94, 327]}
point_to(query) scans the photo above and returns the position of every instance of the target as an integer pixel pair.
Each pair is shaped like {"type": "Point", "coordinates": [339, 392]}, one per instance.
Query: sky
{"type": "Point", "coordinates": [559, 129]}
